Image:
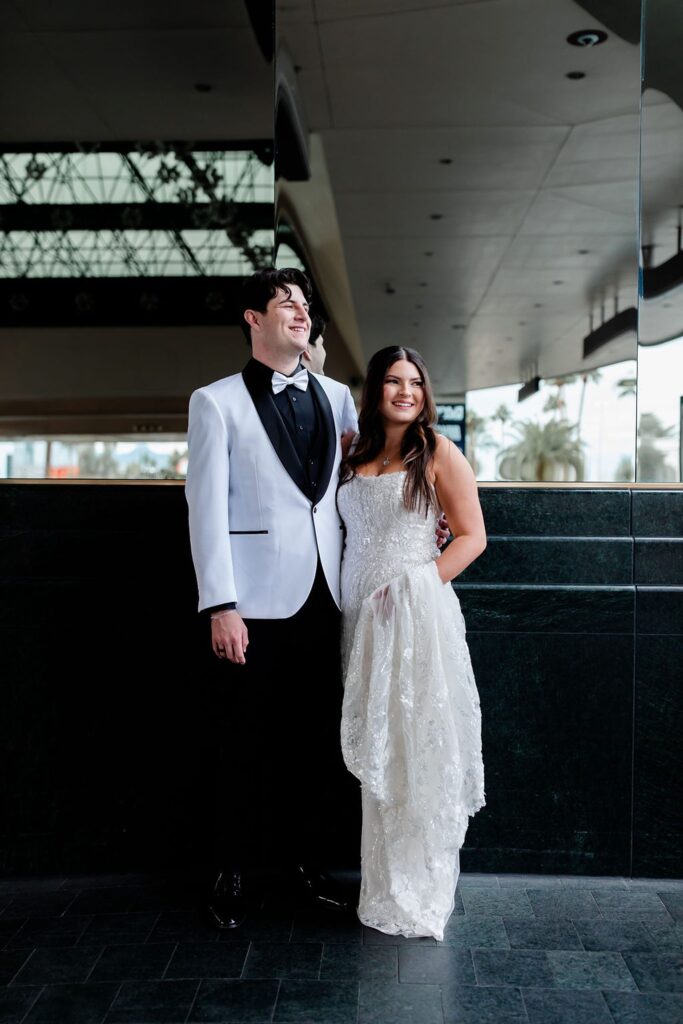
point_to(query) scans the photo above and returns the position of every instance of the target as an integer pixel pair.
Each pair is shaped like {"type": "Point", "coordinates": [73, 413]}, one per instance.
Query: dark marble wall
{"type": "Point", "coordinates": [575, 623]}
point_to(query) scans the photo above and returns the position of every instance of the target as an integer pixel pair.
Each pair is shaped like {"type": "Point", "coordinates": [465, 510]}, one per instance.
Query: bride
{"type": "Point", "coordinates": [411, 724]}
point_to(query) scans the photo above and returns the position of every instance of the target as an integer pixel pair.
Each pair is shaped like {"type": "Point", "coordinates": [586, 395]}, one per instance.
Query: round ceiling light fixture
{"type": "Point", "coordinates": [575, 76]}
{"type": "Point", "coordinates": [587, 37]}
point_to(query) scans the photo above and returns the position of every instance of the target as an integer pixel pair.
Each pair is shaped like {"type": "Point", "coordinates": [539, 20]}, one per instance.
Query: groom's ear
{"type": "Point", "coordinates": [251, 316]}
{"type": "Point", "coordinates": [306, 356]}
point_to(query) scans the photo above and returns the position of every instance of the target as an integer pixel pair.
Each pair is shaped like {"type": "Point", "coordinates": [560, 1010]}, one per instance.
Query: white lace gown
{"type": "Point", "coordinates": [411, 722]}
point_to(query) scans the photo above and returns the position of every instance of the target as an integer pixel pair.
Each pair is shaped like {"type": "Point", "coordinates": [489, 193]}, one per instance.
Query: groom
{"type": "Point", "coordinates": [264, 453]}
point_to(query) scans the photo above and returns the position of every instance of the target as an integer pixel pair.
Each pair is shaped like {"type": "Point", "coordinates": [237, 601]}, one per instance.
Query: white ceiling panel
{"type": "Point", "coordinates": [410, 159]}
{"type": "Point", "coordinates": [402, 215]}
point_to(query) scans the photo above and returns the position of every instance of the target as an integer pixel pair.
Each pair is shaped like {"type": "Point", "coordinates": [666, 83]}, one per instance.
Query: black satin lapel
{"type": "Point", "coordinates": [276, 430]}
{"type": "Point", "coordinates": [330, 441]}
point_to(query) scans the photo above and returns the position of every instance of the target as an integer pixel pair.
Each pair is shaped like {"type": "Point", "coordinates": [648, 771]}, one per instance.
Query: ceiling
{"type": "Point", "coordinates": [486, 202]}
{"type": "Point", "coordinates": [78, 70]}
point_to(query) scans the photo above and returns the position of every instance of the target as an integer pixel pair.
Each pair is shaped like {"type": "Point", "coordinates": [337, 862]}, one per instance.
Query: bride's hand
{"type": "Point", "coordinates": [383, 602]}
{"type": "Point", "coordinates": [443, 531]}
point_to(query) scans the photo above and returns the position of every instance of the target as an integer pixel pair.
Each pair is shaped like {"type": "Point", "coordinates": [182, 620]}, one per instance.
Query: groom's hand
{"type": "Point", "coordinates": [229, 636]}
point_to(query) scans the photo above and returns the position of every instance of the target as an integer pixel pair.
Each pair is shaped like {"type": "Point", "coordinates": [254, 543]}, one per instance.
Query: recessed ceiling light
{"type": "Point", "coordinates": [458, 327]}
{"type": "Point", "coordinates": [538, 305]}
{"type": "Point", "coordinates": [418, 305]}
{"type": "Point", "coordinates": [203, 87]}
{"type": "Point", "coordinates": [558, 282]}
{"type": "Point", "coordinates": [435, 216]}
{"type": "Point", "coordinates": [522, 323]}
{"type": "Point", "coordinates": [423, 284]}
{"type": "Point", "coordinates": [429, 254]}
{"type": "Point", "coordinates": [583, 252]}
{"type": "Point", "coordinates": [587, 37]}
{"type": "Point", "coordinates": [575, 75]}
{"type": "Point", "coordinates": [445, 160]}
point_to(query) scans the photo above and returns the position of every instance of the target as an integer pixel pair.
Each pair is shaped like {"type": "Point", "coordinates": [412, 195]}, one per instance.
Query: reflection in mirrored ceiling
{"type": "Point", "coordinates": [136, 192]}
{"type": "Point", "coordinates": [660, 336]}
{"type": "Point", "coordinates": [481, 162]}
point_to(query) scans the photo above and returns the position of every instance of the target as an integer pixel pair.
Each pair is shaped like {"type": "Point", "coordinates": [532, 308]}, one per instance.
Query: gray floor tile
{"type": "Point", "coordinates": [673, 902]}
{"type": "Point", "coordinates": [152, 1002]}
{"type": "Point", "coordinates": [466, 1004]}
{"type": "Point", "coordinates": [207, 960]}
{"type": "Point", "coordinates": [317, 1002]}
{"type": "Point", "coordinates": [566, 1007]}
{"type": "Point", "coordinates": [656, 972]}
{"type": "Point", "coordinates": [477, 880]}
{"type": "Point", "coordinates": [655, 884]}
{"type": "Point", "coordinates": [330, 928]}
{"type": "Point", "coordinates": [549, 933]}
{"type": "Point", "coordinates": [631, 1008]}
{"type": "Point", "coordinates": [68, 1004]}
{"type": "Point", "coordinates": [475, 933]}
{"type": "Point", "coordinates": [118, 929]}
{"type": "Point", "coordinates": [384, 1003]}
{"type": "Point", "coordinates": [616, 935]}
{"type": "Point", "coordinates": [439, 966]}
{"type": "Point", "coordinates": [14, 1003]}
{"type": "Point", "coordinates": [50, 931]}
{"type": "Point", "coordinates": [594, 882]}
{"type": "Point", "coordinates": [10, 963]}
{"type": "Point", "coordinates": [371, 937]}
{"type": "Point", "coordinates": [522, 967]}
{"type": "Point", "coordinates": [569, 903]}
{"type": "Point", "coordinates": [513, 881]}
{"type": "Point", "coordinates": [628, 904]}
{"type": "Point", "coordinates": [590, 970]}
{"type": "Point", "coordinates": [132, 963]}
{"type": "Point", "coordinates": [666, 936]}
{"type": "Point", "coordinates": [283, 960]}
{"type": "Point", "coordinates": [353, 963]}
{"type": "Point", "coordinates": [58, 966]}
{"type": "Point", "coordinates": [502, 903]}
{"type": "Point", "coordinates": [249, 1002]}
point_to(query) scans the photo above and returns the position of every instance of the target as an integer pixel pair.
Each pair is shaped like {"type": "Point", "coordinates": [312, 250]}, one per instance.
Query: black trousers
{"type": "Point", "coordinates": [283, 792]}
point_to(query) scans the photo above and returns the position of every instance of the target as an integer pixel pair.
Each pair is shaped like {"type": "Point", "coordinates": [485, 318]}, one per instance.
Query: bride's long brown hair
{"type": "Point", "coordinates": [419, 440]}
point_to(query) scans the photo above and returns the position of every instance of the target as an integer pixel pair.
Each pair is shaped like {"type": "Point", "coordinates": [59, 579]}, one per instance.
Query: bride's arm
{"type": "Point", "coordinates": [456, 489]}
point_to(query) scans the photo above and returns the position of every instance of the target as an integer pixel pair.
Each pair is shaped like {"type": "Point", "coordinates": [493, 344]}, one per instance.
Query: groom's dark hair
{"type": "Point", "coordinates": [264, 285]}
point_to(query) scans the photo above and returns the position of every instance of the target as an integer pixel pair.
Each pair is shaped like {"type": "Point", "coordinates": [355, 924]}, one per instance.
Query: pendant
{"type": "Point", "coordinates": [386, 462]}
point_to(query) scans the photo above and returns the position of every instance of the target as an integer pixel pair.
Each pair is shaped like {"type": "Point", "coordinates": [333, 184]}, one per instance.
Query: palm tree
{"type": "Point", "coordinates": [652, 464]}
{"type": "Point", "coordinates": [543, 451]}
{"type": "Point", "coordinates": [627, 387]}
{"type": "Point", "coordinates": [557, 402]}
{"type": "Point", "coordinates": [588, 376]}
{"type": "Point", "coordinates": [503, 415]}
{"type": "Point", "coordinates": [475, 438]}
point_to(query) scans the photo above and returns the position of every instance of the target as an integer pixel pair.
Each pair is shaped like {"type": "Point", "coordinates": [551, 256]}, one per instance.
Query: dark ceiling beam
{"type": "Point", "coordinates": [263, 148]}
{"type": "Point", "coordinates": [120, 302]}
{"type": "Point", "coordinates": [150, 216]}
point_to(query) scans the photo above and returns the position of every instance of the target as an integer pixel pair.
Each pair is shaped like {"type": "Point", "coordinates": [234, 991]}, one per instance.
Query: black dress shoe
{"type": "Point", "coordinates": [322, 889]}
{"type": "Point", "coordinates": [227, 904]}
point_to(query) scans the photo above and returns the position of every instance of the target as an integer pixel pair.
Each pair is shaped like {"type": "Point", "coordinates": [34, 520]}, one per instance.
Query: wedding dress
{"type": "Point", "coordinates": [411, 723]}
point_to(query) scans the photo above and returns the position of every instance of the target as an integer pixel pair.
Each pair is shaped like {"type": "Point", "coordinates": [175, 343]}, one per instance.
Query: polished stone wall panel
{"type": "Point", "coordinates": [659, 610]}
{"type": "Point", "coordinates": [659, 562]}
{"type": "Point", "coordinates": [546, 609]}
{"type": "Point", "coordinates": [108, 682]}
{"type": "Point", "coordinates": [658, 513]}
{"type": "Point", "coordinates": [658, 756]}
{"type": "Point", "coordinates": [557, 511]}
{"type": "Point", "coordinates": [570, 561]}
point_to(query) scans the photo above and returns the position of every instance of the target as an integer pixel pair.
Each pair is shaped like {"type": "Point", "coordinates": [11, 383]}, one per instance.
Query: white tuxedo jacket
{"type": "Point", "coordinates": [254, 531]}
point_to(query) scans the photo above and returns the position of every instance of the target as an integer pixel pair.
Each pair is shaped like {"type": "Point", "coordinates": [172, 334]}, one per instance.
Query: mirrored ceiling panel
{"type": "Point", "coordinates": [660, 350]}
{"type": "Point", "coordinates": [476, 166]}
